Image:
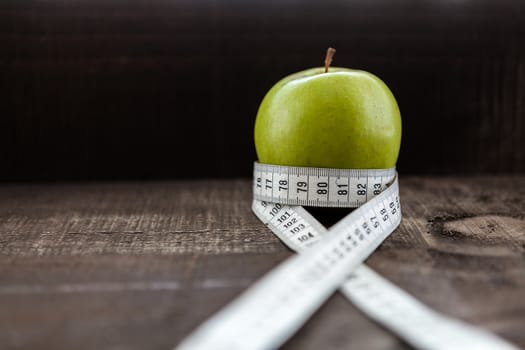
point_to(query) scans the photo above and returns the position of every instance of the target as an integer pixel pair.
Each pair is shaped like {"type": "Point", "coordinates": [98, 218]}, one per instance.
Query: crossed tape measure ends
{"type": "Point", "coordinates": [276, 306]}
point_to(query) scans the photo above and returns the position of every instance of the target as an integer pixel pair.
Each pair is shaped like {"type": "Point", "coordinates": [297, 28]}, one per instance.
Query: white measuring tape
{"type": "Point", "coordinates": [276, 306]}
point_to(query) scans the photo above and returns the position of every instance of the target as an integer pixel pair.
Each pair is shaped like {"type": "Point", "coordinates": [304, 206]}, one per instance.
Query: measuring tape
{"type": "Point", "coordinates": [277, 305]}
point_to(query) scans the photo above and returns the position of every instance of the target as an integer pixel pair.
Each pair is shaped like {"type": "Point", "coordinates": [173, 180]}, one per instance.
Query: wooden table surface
{"type": "Point", "coordinates": [139, 265]}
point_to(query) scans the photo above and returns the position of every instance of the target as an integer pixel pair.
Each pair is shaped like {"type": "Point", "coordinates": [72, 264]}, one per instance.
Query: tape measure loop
{"type": "Point", "coordinates": [276, 306]}
{"type": "Point", "coordinates": [319, 187]}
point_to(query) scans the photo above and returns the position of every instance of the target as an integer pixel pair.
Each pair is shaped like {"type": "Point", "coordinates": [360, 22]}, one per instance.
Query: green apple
{"type": "Point", "coordinates": [342, 118]}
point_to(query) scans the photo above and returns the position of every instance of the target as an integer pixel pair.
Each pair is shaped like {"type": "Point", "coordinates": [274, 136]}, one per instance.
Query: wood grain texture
{"type": "Point", "coordinates": [139, 265]}
{"type": "Point", "coordinates": [129, 86]}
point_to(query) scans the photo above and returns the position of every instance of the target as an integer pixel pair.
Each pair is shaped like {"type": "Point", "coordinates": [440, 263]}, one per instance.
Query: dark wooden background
{"type": "Point", "coordinates": [166, 89]}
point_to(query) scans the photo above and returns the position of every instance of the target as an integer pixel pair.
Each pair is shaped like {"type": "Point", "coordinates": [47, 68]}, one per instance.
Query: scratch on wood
{"type": "Point", "coordinates": [114, 287]}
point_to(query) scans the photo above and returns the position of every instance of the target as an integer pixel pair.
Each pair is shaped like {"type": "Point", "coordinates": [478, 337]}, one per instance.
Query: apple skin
{"type": "Point", "coordinates": [345, 118]}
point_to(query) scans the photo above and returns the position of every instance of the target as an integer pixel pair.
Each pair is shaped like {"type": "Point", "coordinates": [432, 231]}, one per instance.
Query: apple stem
{"type": "Point", "coordinates": [328, 59]}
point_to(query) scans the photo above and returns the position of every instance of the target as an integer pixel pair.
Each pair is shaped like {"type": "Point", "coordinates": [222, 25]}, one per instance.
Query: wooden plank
{"type": "Point", "coordinates": [138, 265]}
{"type": "Point", "coordinates": [164, 218]}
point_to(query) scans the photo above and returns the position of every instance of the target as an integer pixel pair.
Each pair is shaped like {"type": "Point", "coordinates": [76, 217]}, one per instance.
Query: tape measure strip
{"type": "Point", "coordinates": [276, 306]}
{"type": "Point", "coordinates": [384, 302]}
